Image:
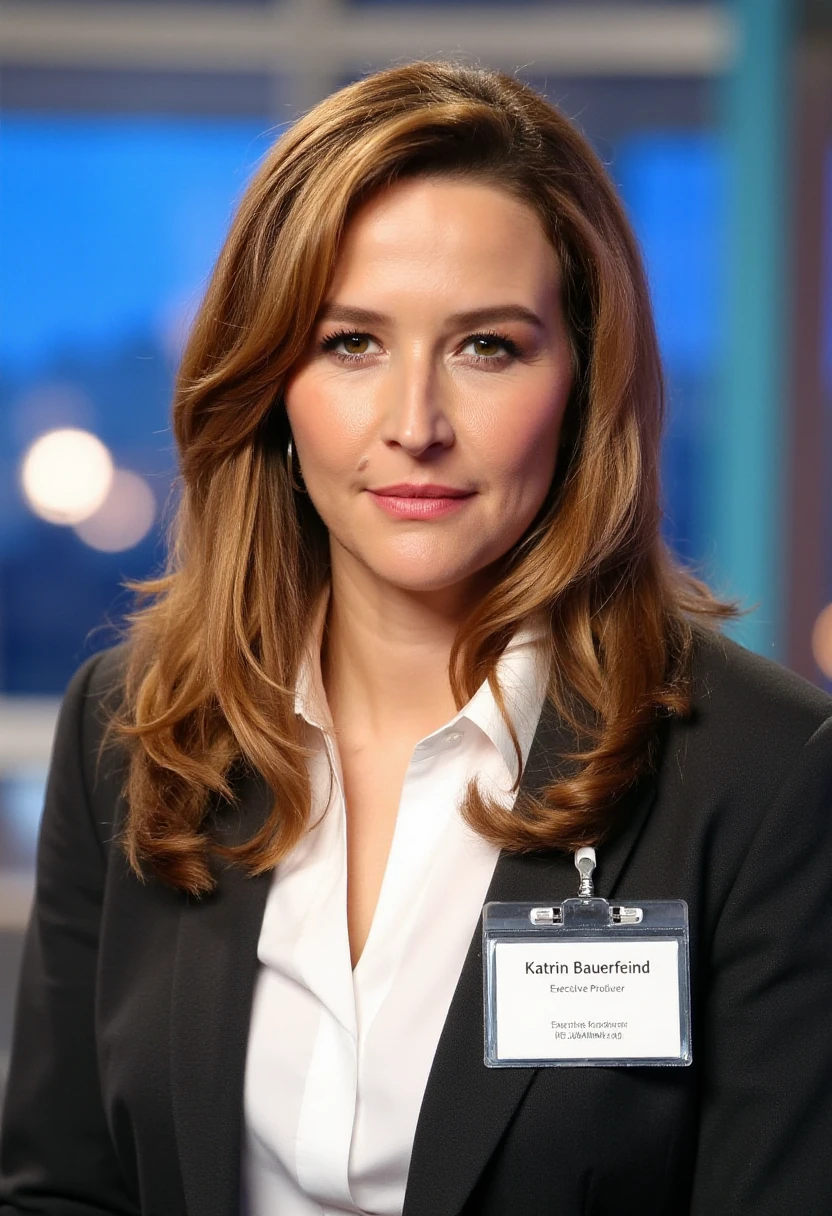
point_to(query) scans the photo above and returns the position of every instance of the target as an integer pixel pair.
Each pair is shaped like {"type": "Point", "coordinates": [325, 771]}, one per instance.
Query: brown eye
{"type": "Point", "coordinates": [487, 346]}
{"type": "Point", "coordinates": [492, 348]}
{"type": "Point", "coordinates": [355, 344]}
{"type": "Point", "coordinates": [348, 346]}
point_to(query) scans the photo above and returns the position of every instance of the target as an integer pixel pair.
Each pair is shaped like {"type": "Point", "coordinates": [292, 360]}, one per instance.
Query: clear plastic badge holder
{"type": "Point", "coordinates": [586, 982]}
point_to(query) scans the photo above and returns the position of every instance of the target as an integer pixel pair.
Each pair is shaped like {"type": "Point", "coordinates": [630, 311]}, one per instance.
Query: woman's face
{"type": "Point", "coordinates": [427, 411]}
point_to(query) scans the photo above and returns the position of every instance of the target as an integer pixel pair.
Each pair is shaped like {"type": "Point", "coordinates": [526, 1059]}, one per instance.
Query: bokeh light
{"type": "Point", "coordinates": [124, 518]}
{"type": "Point", "coordinates": [66, 475]}
{"type": "Point", "coordinates": [822, 641]}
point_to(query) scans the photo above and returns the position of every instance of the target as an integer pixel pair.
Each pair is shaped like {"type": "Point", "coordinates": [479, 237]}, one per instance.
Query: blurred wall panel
{"type": "Point", "coordinates": [109, 90]}
{"type": "Point", "coordinates": [748, 487]}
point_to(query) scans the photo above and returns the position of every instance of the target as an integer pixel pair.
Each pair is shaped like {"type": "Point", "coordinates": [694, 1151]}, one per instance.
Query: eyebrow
{"type": "Point", "coordinates": [478, 316]}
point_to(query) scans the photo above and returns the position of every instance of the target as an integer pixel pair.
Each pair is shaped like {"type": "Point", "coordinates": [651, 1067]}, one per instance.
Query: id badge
{"type": "Point", "coordinates": [586, 982]}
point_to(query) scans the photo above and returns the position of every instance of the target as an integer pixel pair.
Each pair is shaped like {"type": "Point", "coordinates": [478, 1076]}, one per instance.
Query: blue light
{"type": "Point", "coordinates": [103, 221]}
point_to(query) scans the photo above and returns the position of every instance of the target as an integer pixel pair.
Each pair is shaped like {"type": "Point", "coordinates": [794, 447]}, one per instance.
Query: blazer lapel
{"type": "Point", "coordinates": [467, 1107]}
{"type": "Point", "coordinates": [213, 982]}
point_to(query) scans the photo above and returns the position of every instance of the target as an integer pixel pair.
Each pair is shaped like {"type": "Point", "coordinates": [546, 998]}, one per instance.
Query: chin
{"type": "Point", "coordinates": [425, 576]}
{"type": "Point", "coordinates": [416, 566]}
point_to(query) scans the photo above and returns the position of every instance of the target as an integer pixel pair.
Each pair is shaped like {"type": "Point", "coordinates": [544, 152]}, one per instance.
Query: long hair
{"type": "Point", "coordinates": [215, 647]}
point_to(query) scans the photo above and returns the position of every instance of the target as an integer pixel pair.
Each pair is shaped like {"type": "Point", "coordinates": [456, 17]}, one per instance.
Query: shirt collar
{"type": "Point", "coordinates": [522, 672]}
{"type": "Point", "coordinates": [523, 676]}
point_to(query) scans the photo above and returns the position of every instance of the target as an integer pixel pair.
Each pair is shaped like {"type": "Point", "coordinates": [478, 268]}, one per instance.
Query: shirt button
{"type": "Point", "coordinates": [453, 736]}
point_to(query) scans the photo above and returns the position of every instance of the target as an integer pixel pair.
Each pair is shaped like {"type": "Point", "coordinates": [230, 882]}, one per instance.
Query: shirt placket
{"type": "Point", "coordinates": [327, 1113]}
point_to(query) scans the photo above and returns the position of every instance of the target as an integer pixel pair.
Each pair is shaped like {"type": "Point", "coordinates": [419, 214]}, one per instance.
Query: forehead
{"type": "Point", "coordinates": [446, 236]}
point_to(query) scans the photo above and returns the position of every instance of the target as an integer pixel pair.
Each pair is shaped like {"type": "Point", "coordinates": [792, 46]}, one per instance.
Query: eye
{"type": "Point", "coordinates": [355, 345]}
{"type": "Point", "coordinates": [492, 347]}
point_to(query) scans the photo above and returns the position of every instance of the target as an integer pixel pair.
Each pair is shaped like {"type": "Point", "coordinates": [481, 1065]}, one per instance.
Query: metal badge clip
{"type": "Point", "coordinates": [585, 865]}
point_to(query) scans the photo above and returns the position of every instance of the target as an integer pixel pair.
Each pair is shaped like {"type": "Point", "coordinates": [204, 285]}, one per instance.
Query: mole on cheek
{"type": "Point", "coordinates": [362, 464]}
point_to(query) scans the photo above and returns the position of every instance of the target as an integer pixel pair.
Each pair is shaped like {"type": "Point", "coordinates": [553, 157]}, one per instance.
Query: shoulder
{"type": "Point", "coordinates": [83, 745]}
{"type": "Point", "coordinates": [94, 694]}
{"type": "Point", "coordinates": [99, 680]}
{"type": "Point", "coordinates": [732, 684]}
{"type": "Point", "coordinates": [752, 720]}
{"type": "Point", "coordinates": [744, 780]}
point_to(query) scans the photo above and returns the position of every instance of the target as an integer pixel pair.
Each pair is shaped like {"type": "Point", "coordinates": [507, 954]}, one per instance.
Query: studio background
{"type": "Point", "coordinates": [128, 130]}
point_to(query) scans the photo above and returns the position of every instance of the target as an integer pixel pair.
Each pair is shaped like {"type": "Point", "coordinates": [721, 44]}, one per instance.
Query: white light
{"type": "Point", "coordinates": [822, 641]}
{"type": "Point", "coordinates": [124, 518]}
{"type": "Point", "coordinates": [66, 475]}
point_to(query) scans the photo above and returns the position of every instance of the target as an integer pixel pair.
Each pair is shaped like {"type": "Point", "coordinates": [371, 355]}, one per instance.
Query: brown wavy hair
{"type": "Point", "coordinates": [214, 649]}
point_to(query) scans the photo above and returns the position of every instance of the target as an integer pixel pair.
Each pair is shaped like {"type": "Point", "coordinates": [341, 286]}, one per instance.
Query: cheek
{"type": "Point", "coordinates": [523, 454]}
{"type": "Point", "coordinates": [329, 421]}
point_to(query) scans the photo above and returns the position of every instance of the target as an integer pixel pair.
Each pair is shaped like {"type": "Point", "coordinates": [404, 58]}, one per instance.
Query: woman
{"type": "Point", "coordinates": [419, 640]}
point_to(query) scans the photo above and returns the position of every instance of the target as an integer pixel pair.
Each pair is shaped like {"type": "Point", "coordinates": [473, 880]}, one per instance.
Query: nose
{"type": "Point", "coordinates": [414, 415]}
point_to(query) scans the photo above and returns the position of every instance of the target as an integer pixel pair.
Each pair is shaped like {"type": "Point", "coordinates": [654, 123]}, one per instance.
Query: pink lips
{"type": "Point", "coordinates": [407, 501]}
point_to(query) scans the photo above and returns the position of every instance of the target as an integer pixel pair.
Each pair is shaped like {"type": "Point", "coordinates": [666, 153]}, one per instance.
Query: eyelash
{"type": "Point", "coordinates": [329, 343]}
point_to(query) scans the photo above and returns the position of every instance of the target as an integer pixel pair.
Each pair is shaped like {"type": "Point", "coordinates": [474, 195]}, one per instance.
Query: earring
{"type": "Point", "coordinates": [290, 467]}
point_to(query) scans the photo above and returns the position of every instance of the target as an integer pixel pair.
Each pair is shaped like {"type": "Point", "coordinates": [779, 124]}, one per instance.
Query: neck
{"type": "Point", "coordinates": [385, 654]}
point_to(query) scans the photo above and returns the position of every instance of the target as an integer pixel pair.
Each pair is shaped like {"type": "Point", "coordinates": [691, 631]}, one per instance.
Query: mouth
{"type": "Point", "coordinates": [420, 502]}
{"type": "Point", "coordinates": [408, 490]}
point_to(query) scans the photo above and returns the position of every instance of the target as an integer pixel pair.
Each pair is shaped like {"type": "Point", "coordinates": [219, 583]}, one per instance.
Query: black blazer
{"type": "Point", "coordinates": [126, 1081]}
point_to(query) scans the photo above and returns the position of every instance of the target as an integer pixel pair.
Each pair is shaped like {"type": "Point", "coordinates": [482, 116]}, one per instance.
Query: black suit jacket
{"type": "Point", "coordinates": [126, 1080]}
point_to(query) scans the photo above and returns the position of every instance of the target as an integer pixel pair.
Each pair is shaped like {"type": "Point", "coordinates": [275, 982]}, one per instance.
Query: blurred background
{"type": "Point", "coordinates": [128, 128]}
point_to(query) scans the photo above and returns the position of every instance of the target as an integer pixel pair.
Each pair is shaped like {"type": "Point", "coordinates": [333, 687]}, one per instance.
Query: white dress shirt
{"type": "Point", "coordinates": [338, 1059]}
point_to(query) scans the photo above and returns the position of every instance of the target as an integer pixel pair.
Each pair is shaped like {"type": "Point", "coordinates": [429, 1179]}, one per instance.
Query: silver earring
{"type": "Point", "coordinates": [290, 466]}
